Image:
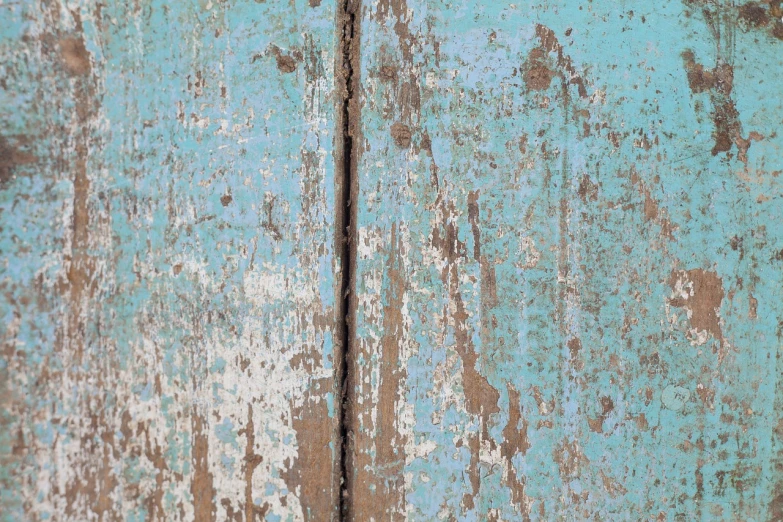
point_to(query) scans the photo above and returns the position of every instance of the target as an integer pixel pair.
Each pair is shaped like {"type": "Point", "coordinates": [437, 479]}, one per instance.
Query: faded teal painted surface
{"type": "Point", "coordinates": [569, 261]}
{"type": "Point", "coordinates": [168, 279]}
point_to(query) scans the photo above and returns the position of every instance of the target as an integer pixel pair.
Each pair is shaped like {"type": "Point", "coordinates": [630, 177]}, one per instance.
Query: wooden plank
{"type": "Point", "coordinates": [568, 272]}
{"type": "Point", "coordinates": [170, 285]}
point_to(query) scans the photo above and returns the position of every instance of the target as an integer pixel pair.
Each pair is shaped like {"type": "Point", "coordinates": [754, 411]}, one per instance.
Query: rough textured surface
{"type": "Point", "coordinates": [569, 262]}
{"type": "Point", "coordinates": [169, 279]}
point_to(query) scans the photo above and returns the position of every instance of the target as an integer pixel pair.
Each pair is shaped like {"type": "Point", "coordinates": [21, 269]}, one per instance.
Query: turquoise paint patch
{"type": "Point", "coordinates": [226, 433]}
{"type": "Point", "coordinates": [218, 366]}
{"type": "Point", "coordinates": [590, 194]}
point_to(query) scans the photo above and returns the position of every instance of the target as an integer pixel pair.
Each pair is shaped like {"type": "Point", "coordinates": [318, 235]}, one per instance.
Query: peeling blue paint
{"type": "Point", "coordinates": [563, 172]}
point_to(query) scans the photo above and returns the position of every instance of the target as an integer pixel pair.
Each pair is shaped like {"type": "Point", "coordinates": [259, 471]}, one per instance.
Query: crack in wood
{"type": "Point", "coordinates": [347, 189]}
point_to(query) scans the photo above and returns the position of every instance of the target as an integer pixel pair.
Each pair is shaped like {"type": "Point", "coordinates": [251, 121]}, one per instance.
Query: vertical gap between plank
{"type": "Point", "coordinates": [348, 125]}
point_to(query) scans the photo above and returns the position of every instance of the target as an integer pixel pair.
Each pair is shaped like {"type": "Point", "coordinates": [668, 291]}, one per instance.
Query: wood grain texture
{"type": "Point", "coordinates": [169, 280]}
{"type": "Point", "coordinates": [569, 262]}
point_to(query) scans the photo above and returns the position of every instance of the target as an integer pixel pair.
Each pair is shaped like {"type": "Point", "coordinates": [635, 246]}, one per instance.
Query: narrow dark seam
{"type": "Point", "coordinates": [347, 27]}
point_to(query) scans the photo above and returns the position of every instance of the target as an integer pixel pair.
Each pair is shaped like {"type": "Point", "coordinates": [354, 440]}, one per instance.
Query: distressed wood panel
{"type": "Point", "coordinates": [568, 268]}
{"type": "Point", "coordinates": [169, 278]}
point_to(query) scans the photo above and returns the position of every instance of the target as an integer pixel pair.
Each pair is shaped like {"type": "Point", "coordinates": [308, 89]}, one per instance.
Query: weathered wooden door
{"type": "Point", "coordinates": [391, 260]}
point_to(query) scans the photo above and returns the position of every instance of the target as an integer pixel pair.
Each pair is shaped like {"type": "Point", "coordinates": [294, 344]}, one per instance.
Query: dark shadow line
{"type": "Point", "coordinates": [347, 78]}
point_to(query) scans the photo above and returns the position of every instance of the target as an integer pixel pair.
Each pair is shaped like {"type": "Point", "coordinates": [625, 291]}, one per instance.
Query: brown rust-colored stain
{"type": "Point", "coordinates": [720, 78]}
{"type": "Point", "coordinates": [706, 394]}
{"type": "Point", "coordinates": [99, 479]}
{"type": "Point", "coordinates": [548, 43]}
{"type": "Point", "coordinates": [537, 76]}
{"type": "Point", "coordinates": [753, 305]}
{"type": "Point", "coordinates": [96, 481]}
{"type": "Point", "coordinates": [201, 485]}
{"type": "Point", "coordinates": [489, 290]}
{"type": "Point", "coordinates": [607, 406]}
{"type": "Point", "coordinates": [154, 502]}
{"type": "Point", "coordinates": [574, 348]}
{"type": "Point", "coordinates": [380, 494]}
{"type": "Point", "coordinates": [82, 266]}
{"type": "Point", "coordinates": [105, 482]}
{"type": "Point", "coordinates": [269, 224]}
{"type": "Point", "coordinates": [390, 443]}
{"type": "Point", "coordinates": [522, 144]}
{"type": "Point", "coordinates": [314, 3]}
{"type": "Point", "coordinates": [75, 56]}
{"type": "Point", "coordinates": [727, 129]}
{"type": "Point", "coordinates": [232, 515]}
{"type": "Point", "coordinates": [569, 459]}
{"type": "Point", "coordinates": [473, 472]}
{"type": "Point", "coordinates": [650, 207]}
{"type": "Point", "coordinates": [704, 302]}
{"type": "Point", "coordinates": [718, 82]}
{"type": "Point", "coordinates": [81, 284]}
{"type": "Point", "coordinates": [588, 191]}
{"type": "Point", "coordinates": [489, 297]}
{"type": "Point", "coordinates": [426, 146]}
{"type": "Point", "coordinates": [699, 476]}
{"type": "Point", "coordinates": [401, 134]}
{"type": "Point", "coordinates": [754, 15]}
{"type": "Point", "coordinates": [98, 451]}
{"type": "Point", "coordinates": [196, 83]}
{"type": "Point", "coordinates": [766, 15]}
{"type": "Point", "coordinates": [11, 158]}
{"type": "Point", "coordinates": [310, 473]}
{"type": "Point", "coordinates": [286, 63]}
{"type": "Point", "coordinates": [473, 219]}
{"type": "Point", "coordinates": [775, 508]}
{"type": "Point", "coordinates": [308, 360]}
{"type": "Point", "coordinates": [515, 442]}
{"type": "Point", "coordinates": [776, 505]}
{"type": "Point", "coordinates": [405, 81]}
{"type": "Point", "coordinates": [488, 281]}
{"type": "Point", "coordinates": [651, 210]}
{"type": "Point", "coordinates": [154, 454]}
{"type": "Point", "coordinates": [19, 447]}
{"type": "Point", "coordinates": [9, 397]}
{"type": "Point", "coordinates": [399, 10]}
{"type": "Point", "coordinates": [125, 429]}
{"type": "Point", "coordinates": [387, 73]}
{"type": "Point", "coordinates": [612, 487]}
{"type": "Point", "coordinates": [252, 461]}
{"type": "Point", "coordinates": [481, 398]}
{"type": "Point", "coordinates": [596, 424]}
